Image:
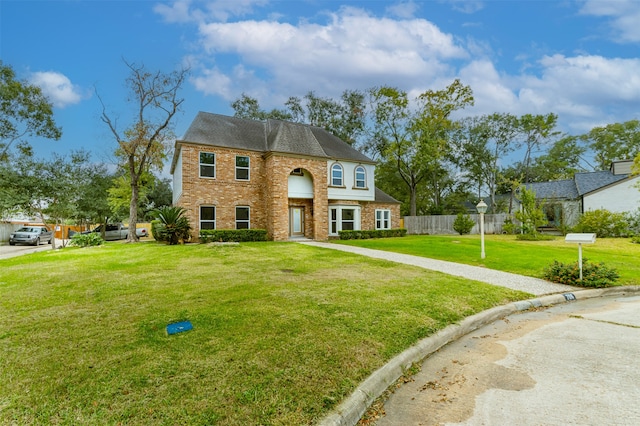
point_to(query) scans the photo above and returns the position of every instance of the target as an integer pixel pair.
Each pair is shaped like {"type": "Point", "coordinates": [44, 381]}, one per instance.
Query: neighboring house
{"type": "Point", "coordinates": [294, 180]}
{"type": "Point", "coordinates": [615, 190]}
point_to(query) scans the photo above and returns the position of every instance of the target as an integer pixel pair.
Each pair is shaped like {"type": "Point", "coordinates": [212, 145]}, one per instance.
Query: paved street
{"type": "Point", "coordinates": [571, 364]}
{"type": "Point", "coordinates": [7, 251]}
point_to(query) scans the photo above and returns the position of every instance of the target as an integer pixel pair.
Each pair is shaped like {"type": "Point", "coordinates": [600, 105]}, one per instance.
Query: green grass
{"type": "Point", "coordinates": [282, 332]}
{"type": "Point", "coordinates": [505, 253]}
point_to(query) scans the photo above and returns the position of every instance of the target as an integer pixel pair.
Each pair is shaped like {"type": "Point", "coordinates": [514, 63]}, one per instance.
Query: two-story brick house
{"type": "Point", "coordinates": [294, 180]}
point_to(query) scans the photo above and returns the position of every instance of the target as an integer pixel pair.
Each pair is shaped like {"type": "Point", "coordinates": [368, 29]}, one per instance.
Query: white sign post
{"type": "Point", "coordinates": [580, 239]}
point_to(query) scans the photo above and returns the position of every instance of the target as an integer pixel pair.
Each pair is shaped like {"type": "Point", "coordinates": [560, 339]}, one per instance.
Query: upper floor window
{"type": "Point", "coordinates": [242, 167]}
{"type": "Point", "coordinates": [360, 177]}
{"type": "Point", "coordinates": [207, 164]}
{"type": "Point", "coordinates": [207, 217]}
{"type": "Point", "coordinates": [242, 217]}
{"type": "Point", "coordinates": [337, 175]}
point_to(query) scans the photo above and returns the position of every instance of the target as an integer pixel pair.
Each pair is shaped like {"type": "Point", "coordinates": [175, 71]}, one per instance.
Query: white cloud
{"type": "Point", "coordinates": [57, 87]}
{"type": "Point", "coordinates": [405, 9]}
{"type": "Point", "coordinates": [183, 11]}
{"type": "Point", "coordinates": [353, 48]}
{"type": "Point", "coordinates": [624, 14]}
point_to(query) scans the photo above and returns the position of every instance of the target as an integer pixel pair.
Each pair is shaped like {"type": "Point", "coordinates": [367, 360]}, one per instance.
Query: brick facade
{"type": "Point", "coordinates": [265, 193]}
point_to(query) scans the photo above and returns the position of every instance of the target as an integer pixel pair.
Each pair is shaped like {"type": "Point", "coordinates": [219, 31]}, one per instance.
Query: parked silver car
{"type": "Point", "coordinates": [33, 235]}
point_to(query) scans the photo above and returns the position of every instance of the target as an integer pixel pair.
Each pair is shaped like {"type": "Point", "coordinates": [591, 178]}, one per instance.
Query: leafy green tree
{"type": "Point", "coordinates": [613, 142]}
{"type": "Point", "coordinates": [480, 144]}
{"type": "Point", "coordinates": [415, 139]}
{"type": "Point", "coordinates": [160, 194]}
{"type": "Point", "coordinates": [530, 214]}
{"type": "Point", "coordinates": [24, 112]}
{"type": "Point", "coordinates": [144, 144]}
{"type": "Point", "coordinates": [93, 205]}
{"type": "Point", "coordinates": [535, 131]}
{"type": "Point", "coordinates": [345, 117]}
{"type": "Point", "coordinates": [564, 159]}
{"type": "Point", "coordinates": [46, 188]}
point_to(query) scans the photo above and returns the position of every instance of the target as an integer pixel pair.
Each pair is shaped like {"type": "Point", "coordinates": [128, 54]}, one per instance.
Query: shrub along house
{"type": "Point", "coordinates": [294, 180]}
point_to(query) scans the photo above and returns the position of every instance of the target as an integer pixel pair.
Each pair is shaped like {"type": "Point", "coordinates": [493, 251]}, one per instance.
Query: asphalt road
{"type": "Point", "coordinates": [7, 251]}
{"type": "Point", "coordinates": [571, 364]}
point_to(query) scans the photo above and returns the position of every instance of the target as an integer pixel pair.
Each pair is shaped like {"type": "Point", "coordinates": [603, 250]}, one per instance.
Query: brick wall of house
{"type": "Point", "coordinates": [368, 214]}
{"type": "Point", "coordinates": [266, 193]}
{"type": "Point", "coordinates": [278, 168]}
{"type": "Point", "coordinates": [224, 191]}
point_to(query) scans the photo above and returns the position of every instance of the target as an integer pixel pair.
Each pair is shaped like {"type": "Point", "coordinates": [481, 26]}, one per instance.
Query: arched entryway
{"type": "Point", "coordinates": [301, 196]}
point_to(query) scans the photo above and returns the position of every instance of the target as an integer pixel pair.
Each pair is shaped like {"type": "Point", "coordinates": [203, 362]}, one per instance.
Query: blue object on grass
{"type": "Point", "coordinates": [179, 327]}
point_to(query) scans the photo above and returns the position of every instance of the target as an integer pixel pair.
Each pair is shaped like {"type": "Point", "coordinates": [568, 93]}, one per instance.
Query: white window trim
{"type": "Point", "coordinates": [248, 168]}
{"type": "Point", "coordinates": [247, 221]}
{"type": "Point", "coordinates": [338, 221]}
{"type": "Point", "coordinates": [382, 218]}
{"type": "Point", "coordinates": [215, 216]}
{"type": "Point", "coordinates": [341, 175]}
{"type": "Point", "coordinates": [355, 178]}
{"type": "Point", "coordinates": [200, 164]}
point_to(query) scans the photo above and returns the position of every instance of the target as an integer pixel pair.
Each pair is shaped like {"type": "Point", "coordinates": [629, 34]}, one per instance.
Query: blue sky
{"type": "Point", "coordinates": [578, 59]}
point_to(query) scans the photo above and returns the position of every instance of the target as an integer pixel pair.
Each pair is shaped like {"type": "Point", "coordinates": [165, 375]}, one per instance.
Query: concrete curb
{"type": "Point", "coordinates": [349, 412]}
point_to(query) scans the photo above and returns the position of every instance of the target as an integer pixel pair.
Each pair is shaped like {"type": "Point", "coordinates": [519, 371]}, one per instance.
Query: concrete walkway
{"type": "Point", "coordinates": [530, 285]}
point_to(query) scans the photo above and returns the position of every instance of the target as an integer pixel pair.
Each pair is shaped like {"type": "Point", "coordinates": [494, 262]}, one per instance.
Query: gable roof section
{"type": "Point", "coordinates": [589, 182]}
{"type": "Point", "coordinates": [581, 184]}
{"type": "Point", "coordinates": [269, 136]}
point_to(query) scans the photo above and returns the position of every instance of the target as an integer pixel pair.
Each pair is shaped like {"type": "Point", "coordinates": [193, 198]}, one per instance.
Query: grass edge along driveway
{"type": "Point", "coordinates": [282, 332]}
{"type": "Point", "coordinates": [505, 253]}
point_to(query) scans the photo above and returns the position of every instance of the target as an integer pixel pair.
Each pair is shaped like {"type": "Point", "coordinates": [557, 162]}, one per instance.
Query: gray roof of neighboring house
{"type": "Point", "coordinates": [588, 182]}
{"type": "Point", "coordinates": [269, 136]}
{"type": "Point", "coordinates": [571, 189]}
{"type": "Point", "coordinates": [565, 189]}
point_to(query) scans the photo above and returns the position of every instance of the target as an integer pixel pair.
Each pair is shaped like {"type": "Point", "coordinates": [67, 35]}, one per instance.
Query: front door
{"type": "Point", "coordinates": [296, 221]}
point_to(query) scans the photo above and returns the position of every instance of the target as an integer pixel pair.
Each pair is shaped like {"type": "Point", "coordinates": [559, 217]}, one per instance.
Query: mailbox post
{"type": "Point", "coordinates": [580, 239]}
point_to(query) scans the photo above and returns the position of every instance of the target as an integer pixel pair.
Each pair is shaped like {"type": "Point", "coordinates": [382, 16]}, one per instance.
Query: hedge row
{"type": "Point", "coordinates": [379, 233]}
{"type": "Point", "coordinates": [232, 235]}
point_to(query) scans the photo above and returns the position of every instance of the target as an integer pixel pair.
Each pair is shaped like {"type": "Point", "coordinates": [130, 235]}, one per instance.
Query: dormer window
{"type": "Point", "coordinates": [337, 175]}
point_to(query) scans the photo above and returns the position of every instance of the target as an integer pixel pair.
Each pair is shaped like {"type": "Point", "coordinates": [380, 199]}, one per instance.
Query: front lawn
{"type": "Point", "coordinates": [505, 253]}
{"type": "Point", "coordinates": [281, 332]}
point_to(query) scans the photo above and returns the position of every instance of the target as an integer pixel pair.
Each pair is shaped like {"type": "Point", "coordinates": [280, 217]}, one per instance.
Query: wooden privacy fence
{"type": "Point", "coordinates": [443, 224]}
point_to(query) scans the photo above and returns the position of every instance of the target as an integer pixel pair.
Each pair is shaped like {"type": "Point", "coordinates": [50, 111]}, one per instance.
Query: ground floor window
{"type": "Point", "coordinates": [383, 219]}
{"type": "Point", "coordinates": [242, 217]}
{"type": "Point", "coordinates": [343, 218]}
{"type": "Point", "coordinates": [207, 217]}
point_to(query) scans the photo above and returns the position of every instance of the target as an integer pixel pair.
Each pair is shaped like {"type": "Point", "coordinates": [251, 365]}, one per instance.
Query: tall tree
{"type": "Point", "coordinates": [143, 145]}
{"type": "Point", "coordinates": [535, 131]}
{"type": "Point", "coordinates": [345, 117]}
{"type": "Point", "coordinates": [45, 188]}
{"type": "Point", "coordinates": [24, 111]}
{"type": "Point", "coordinates": [415, 139]}
{"type": "Point", "coordinates": [481, 144]}
{"type": "Point", "coordinates": [618, 141]}
{"type": "Point", "coordinates": [564, 159]}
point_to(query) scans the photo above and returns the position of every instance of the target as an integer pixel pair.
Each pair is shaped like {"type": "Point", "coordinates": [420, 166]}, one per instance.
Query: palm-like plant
{"type": "Point", "coordinates": [174, 226]}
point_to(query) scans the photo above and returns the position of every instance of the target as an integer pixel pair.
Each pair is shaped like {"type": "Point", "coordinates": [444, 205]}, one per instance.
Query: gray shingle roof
{"type": "Point", "coordinates": [383, 197]}
{"type": "Point", "coordinates": [559, 189]}
{"type": "Point", "coordinates": [269, 136]}
{"type": "Point", "coordinates": [588, 182]}
{"type": "Point", "coordinates": [581, 184]}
